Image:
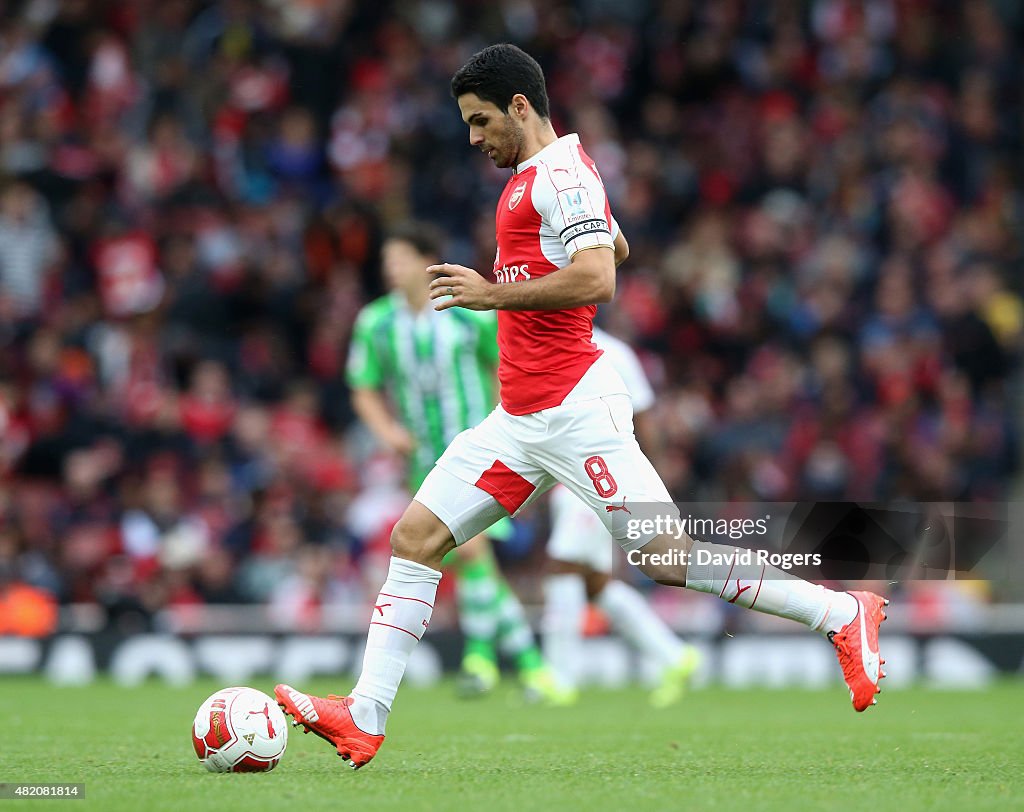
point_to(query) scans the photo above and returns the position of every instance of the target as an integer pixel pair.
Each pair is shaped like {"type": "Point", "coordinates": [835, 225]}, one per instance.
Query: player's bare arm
{"type": "Point", "coordinates": [646, 431]}
{"type": "Point", "coordinates": [588, 279]}
{"type": "Point", "coordinates": [371, 407]}
{"type": "Point", "coordinates": [621, 249]}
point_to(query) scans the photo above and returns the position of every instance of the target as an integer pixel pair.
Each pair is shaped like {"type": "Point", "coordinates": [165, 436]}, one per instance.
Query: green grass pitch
{"type": "Point", "coordinates": [738, 750]}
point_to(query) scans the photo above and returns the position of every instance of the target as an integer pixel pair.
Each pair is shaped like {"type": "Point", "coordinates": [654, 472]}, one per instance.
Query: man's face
{"type": "Point", "coordinates": [403, 265]}
{"type": "Point", "coordinates": [491, 130]}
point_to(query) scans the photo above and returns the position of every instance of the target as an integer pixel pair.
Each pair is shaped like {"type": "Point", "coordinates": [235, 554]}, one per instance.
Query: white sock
{"type": "Point", "coordinates": [399, 619]}
{"type": "Point", "coordinates": [770, 590]}
{"type": "Point", "coordinates": [565, 602]}
{"type": "Point", "coordinates": [632, 617]}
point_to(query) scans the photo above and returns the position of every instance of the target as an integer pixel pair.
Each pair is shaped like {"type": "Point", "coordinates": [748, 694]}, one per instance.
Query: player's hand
{"type": "Point", "coordinates": [399, 440]}
{"type": "Point", "coordinates": [464, 285]}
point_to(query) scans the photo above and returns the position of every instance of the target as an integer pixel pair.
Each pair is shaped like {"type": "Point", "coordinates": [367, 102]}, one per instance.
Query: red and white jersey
{"type": "Point", "coordinates": [552, 207]}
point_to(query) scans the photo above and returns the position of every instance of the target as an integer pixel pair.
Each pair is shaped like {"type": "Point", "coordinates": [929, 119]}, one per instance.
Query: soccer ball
{"type": "Point", "coordinates": [239, 730]}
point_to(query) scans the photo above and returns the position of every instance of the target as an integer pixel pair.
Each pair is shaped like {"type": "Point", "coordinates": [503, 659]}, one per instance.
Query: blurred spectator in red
{"type": "Point", "coordinates": [208, 407]}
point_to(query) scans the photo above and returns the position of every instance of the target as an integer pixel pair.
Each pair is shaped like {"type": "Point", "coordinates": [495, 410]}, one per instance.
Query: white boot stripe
{"type": "Point", "coordinates": [304, 705]}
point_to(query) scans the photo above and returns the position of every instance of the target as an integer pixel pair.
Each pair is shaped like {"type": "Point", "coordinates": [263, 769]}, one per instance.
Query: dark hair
{"type": "Point", "coordinates": [497, 73]}
{"type": "Point", "coordinates": [423, 237]}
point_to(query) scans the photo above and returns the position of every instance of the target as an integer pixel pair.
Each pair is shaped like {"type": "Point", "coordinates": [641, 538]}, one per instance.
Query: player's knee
{"type": "Point", "coordinates": [664, 575]}
{"type": "Point", "coordinates": [419, 539]}
{"type": "Point", "coordinates": [663, 559]}
{"type": "Point", "coordinates": [596, 582]}
{"type": "Point", "coordinates": [671, 579]}
{"type": "Point", "coordinates": [557, 566]}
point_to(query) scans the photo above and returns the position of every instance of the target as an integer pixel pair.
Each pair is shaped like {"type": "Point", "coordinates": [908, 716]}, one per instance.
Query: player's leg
{"type": "Point", "coordinates": [849, 619]}
{"type": "Point", "coordinates": [632, 617]}
{"type": "Point", "coordinates": [574, 529]}
{"type": "Point", "coordinates": [514, 636]}
{"type": "Point", "coordinates": [565, 606]}
{"type": "Point", "coordinates": [446, 511]}
{"type": "Point", "coordinates": [614, 473]}
{"type": "Point", "coordinates": [582, 557]}
{"type": "Point", "coordinates": [469, 489]}
{"type": "Point", "coordinates": [490, 616]}
{"type": "Point", "coordinates": [760, 587]}
{"type": "Point", "coordinates": [516, 641]}
{"type": "Point", "coordinates": [477, 597]}
{"type": "Point", "coordinates": [355, 724]}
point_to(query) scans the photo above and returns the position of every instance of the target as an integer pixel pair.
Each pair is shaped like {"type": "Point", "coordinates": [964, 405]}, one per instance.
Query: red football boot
{"type": "Point", "coordinates": [857, 649]}
{"type": "Point", "coordinates": [332, 721]}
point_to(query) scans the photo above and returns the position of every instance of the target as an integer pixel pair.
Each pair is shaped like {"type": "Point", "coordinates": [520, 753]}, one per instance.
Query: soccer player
{"type": "Point", "coordinates": [564, 416]}
{"type": "Point", "coordinates": [581, 554]}
{"type": "Point", "coordinates": [438, 369]}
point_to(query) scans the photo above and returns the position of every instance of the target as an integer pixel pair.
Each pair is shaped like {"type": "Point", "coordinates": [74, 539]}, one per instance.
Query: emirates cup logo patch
{"type": "Point", "coordinates": [517, 195]}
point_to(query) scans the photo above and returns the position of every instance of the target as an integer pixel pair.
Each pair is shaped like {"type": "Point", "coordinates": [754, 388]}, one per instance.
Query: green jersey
{"type": "Point", "coordinates": [437, 368]}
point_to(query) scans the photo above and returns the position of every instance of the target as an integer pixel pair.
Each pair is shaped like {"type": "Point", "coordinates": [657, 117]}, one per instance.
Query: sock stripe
{"type": "Point", "coordinates": [404, 598]}
{"type": "Point", "coordinates": [824, 620]}
{"type": "Point", "coordinates": [390, 626]}
{"type": "Point", "coordinates": [727, 577]}
{"type": "Point", "coordinates": [778, 593]}
{"type": "Point", "coordinates": [758, 586]}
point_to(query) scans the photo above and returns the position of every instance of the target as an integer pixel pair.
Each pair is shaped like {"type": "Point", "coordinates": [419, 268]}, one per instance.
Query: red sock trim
{"type": "Point", "coordinates": [763, 567]}
{"type": "Point", "coordinates": [727, 577]}
{"type": "Point", "coordinates": [378, 623]}
{"type": "Point", "coordinates": [404, 598]}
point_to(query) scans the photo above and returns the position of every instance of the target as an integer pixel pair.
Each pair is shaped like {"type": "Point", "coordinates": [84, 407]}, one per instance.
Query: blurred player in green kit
{"type": "Point", "coordinates": [418, 378]}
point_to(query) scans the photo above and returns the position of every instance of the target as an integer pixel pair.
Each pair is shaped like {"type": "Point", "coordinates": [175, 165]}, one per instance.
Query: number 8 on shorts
{"type": "Point", "coordinates": [604, 482]}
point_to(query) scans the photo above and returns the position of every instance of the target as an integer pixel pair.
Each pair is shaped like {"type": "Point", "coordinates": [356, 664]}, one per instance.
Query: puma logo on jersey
{"type": "Point", "coordinates": [613, 508]}
{"type": "Point", "coordinates": [512, 273]}
{"type": "Point", "coordinates": [562, 178]}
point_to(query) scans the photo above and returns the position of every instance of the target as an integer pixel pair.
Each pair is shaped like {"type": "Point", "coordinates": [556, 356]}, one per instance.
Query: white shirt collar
{"type": "Point", "coordinates": [568, 140]}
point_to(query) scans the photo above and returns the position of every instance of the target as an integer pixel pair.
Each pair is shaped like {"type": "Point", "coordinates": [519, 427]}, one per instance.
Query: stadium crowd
{"type": "Point", "coordinates": [822, 200]}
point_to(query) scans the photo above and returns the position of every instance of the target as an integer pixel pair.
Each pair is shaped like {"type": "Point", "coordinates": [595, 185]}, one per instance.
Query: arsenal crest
{"type": "Point", "coordinates": [517, 195]}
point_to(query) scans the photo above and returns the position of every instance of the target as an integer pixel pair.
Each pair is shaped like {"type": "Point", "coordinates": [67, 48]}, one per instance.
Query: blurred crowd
{"type": "Point", "coordinates": [822, 198]}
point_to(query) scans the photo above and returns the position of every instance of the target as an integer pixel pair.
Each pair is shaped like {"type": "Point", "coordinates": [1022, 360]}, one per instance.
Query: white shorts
{"type": "Point", "coordinates": [577, 535]}
{"type": "Point", "coordinates": [507, 461]}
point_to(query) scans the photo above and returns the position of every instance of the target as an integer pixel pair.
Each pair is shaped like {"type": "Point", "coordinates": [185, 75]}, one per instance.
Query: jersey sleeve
{"type": "Point", "coordinates": [573, 204]}
{"type": "Point", "coordinates": [362, 370]}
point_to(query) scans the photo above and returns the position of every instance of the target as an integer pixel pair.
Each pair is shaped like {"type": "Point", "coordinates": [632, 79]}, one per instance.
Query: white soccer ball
{"type": "Point", "coordinates": [239, 730]}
